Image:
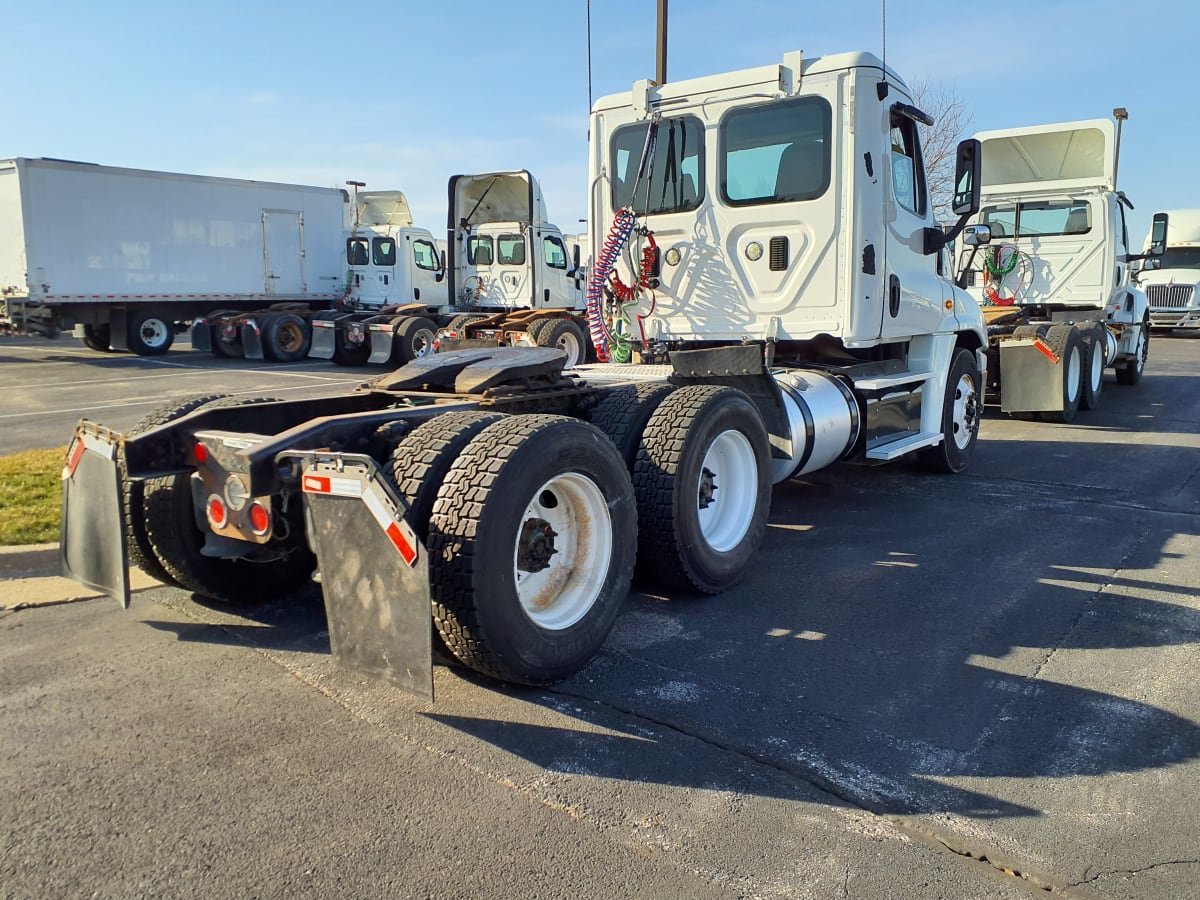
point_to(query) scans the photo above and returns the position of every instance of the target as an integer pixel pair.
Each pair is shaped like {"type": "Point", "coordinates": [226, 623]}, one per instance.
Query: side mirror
{"type": "Point", "coordinates": [1158, 235]}
{"type": "Point", "coordinates": [441, 273]}
{"type": "Point", "coordinates": [977, 235]}
{"type": "Point", "coordinates": [967, 176]}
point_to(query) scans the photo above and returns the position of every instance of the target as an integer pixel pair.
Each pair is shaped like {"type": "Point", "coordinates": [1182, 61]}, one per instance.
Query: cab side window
{"type": "Point", "coordinates": [908, 169]}
{"type": "Point", "coordinates": [425, 255]}
{"type": "Point", "coordinates": [556, 254]}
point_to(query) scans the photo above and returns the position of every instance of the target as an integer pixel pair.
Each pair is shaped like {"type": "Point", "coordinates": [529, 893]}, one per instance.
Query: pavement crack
{"type": "Point", "coordinates": [1123, 873]}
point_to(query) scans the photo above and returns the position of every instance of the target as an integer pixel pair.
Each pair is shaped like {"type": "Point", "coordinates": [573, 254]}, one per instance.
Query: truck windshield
{"type": "Point", "coordinates": [673, 180]}
{"type": "Point", "coordinates": [1040, 218]}
{"type": "Point", "coordinates": [1178, 258]}
{"type": "Point", "coordinates": [511, 249]}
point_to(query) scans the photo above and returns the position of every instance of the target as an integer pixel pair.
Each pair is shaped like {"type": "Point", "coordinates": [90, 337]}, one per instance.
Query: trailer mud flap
{"type": "Point", "coordinates": [374, 571]}
{"type": "Point", "coordinates": [92, 545]}
{"type": "Point", "coordinates": [252, 346]}
{"type": "Point", "coordinates": [1031, 376]}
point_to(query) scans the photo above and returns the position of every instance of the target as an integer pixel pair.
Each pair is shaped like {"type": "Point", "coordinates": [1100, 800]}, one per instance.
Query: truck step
{"type": "Point", "coordinates": [881, 382]}
{"type": "Point", "coordinates": [898, 448]}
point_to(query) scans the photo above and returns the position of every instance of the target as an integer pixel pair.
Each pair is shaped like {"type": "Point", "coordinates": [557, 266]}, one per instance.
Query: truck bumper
{"type": "Point", "coordinates": [92, 546]}
{"type": "Point", "coordinates": [1175, 318]}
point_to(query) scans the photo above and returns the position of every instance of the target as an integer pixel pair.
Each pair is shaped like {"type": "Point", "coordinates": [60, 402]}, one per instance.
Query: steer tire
{"type": "Point", "coordinates": [137, 543]}
{"type": "Point", "coordinates": [286, 337]}
{"type": "Point", "coordinates": [624, 412]}
{"type": "Point", "coordinates": [177, 542]}
{"type": "Point", "coordinates": [1130, 372]}
{"type": "Point", "coordinates": [962, 408]}
{"type": "Point", "coordinates": [150, 333]}
{"type": "Point", "coordinates": [98, 337]}
{"type": "Point", "coordinates": [669, 479]}
{"type": "Point", "coordinates": [420, 461]}
{"type": "Point", "coordinates": [511, 483]}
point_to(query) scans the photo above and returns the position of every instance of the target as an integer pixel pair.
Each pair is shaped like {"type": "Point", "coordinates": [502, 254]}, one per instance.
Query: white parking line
{"type": "Point", "coordinates": [332, 378]}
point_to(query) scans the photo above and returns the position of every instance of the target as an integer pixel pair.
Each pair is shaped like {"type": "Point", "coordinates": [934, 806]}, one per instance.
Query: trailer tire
{"type": "Point", "coordinates": [1068, 346]}
{"type": "Point", "coordinates": [701, 440]}
{"type": "Point", "coordinates": [414, 339]}
{"type": "Point", "coordinates": [177, 541]}
{"type": "Point", "coordinates": [420, 461]}
{"type": "Point", "coordinates": [287, 337]}
{"type": "Point", "coordinates": [1093, 367]}
{"type": "Point", "coordinates": [961, 411]}
{"type": "Point", "coordinates": [137, 543]}
{"type": "Point", "coordinates": [563, 334]}
{"type": "Point", "coordinates": [150, 333]}
{"type": "Point", "coordinates": [624, 412]}
{"type": "Point", "coordinates": [1130, 373]}
{"type": "Point", "coordinates": [531, 546]}
{"type": "Point", "coordinates": [98, 337]}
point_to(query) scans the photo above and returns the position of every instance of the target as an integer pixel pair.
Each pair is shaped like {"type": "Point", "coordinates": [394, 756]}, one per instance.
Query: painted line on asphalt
{"type": "Point", "coordinates": [332, 378]}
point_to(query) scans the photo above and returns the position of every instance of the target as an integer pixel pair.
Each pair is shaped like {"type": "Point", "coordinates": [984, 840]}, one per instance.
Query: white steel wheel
{"type": "Point", "coordinates": [1074, 375]}
{"type": "Point", "coordinates": [562, 334]}
{"type": "Point", "coordinates": [964, 416]}
{"type": "Point", "coordinates": [562, 553]}
{"type": "Point", "coordinates": [727, 490]}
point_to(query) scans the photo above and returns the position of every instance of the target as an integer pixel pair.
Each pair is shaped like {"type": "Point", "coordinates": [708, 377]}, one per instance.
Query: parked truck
{"type": "Point", "coordinates": [1055, 279]}
{"type": "Point", "coordinates": [510, 279]}
{"type": "Point", "coordinates": [765, 288]}
{"type": "Point", "coordinates": [1172, 279]}
{"type": "Point", "coordinates": [126, 257]}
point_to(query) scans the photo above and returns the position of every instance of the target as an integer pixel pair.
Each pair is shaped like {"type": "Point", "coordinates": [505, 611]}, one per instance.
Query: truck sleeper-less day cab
{"type": "Point", "coordinates": [766, 261]}
{"type": "Point", "coordinates": [126, 256]}
{"type": "Point", "coordinates": [510, 280]}
{"type": "Point", "coordinates": [1054, 276]}
{"type": "Point", "coordinates": [1172, 280]}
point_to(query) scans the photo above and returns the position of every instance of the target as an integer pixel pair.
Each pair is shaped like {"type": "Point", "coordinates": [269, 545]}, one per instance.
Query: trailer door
{"type": "Point", "coordinates": [283, 251]}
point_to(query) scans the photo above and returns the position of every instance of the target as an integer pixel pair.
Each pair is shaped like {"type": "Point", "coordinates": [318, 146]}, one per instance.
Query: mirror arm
{"type": "Point", "coordinates": [961, 281]}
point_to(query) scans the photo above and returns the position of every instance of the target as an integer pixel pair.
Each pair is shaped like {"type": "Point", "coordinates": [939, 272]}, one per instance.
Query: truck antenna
{"type": "Point", "coordinates": [1120, 114]}
{"type": "Point", "coordinates": [881, 89]}
{"type": "Point", "coordinates": [589, 54]}
{"type": "Point", "coordinates": [356, 185]}
{"type": "Point", "coordinates": [660, 69]}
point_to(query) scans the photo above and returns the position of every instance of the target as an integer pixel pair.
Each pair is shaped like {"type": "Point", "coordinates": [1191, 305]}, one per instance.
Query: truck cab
{"type": "Point", "coordinates": [389, 262]}
{"type": "Point", "coordinates": [506, 255]}
{"type": "Point", "coordinates": [1172, 280]}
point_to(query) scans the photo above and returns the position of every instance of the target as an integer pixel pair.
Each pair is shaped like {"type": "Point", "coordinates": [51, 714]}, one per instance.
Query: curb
{"type": "Point", "coordinates": [29, 561]}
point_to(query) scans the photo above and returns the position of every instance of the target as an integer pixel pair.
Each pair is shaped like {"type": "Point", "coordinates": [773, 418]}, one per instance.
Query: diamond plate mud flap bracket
{"type": "Point", "coordinates": [374, 570]}
{"type": "Point", "coordinates": [91, 547]}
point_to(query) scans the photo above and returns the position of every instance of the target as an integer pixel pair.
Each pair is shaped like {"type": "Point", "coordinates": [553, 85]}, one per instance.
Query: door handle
{"type": "Point", "coordinates": [894, 295]}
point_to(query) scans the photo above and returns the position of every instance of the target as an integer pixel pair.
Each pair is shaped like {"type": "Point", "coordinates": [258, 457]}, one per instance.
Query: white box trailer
{"type": "Point", "coordinates": [125, 256]}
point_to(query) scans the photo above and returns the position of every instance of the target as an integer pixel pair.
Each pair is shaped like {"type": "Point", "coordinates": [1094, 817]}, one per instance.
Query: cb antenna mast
{"type": "Point", "coordinates": [882, 88]}
{"type": "Point", "coordinates": [660, 69]}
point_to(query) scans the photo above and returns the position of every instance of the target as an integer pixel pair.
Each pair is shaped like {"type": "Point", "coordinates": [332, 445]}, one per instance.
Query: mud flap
{"type": "Point", "coordinates": [324, 339]}
{"type": "Point", "coordinates": [1031, 376]}
{"type": "Point", "coordinates": [382, 340]}
{"type": "Point", "coordinates": [202, 335]}
{"type": "Point", "coordinates": [92, 543]}
{"type": "Point", "coordinates": [374, 571]}
{"type": "Point", "coordinates": [252, 347]}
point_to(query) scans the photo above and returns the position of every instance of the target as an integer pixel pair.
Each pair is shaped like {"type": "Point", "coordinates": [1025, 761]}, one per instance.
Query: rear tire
{"type": "Point", "coordinates": [1067, 345]}
{"type": "Point", "coordinates": [624, 412]}
{"type": "Point", "coordinates": [1130, 372]}
{"type": "Point", "coordinates": [287, 337]}
{"type": "Point", "coordinates": [1093, 368]}
{"type": "Point", "coordinates": [703, 486]}
{"type": "Point", "coordinates": [961, 411]}
{"type": "Point", "coordinates": [531, 547]}
{"type": "Point", "coordinates": [413, 339]}
{"type": "Point", "coordinates": [150, 333]}
{"type": "Point", "coordinates": [345, 355]}
{"type": "Point", "coordinates": [98, 337]}
{"type": "Point", "coordinates": [563, 334]}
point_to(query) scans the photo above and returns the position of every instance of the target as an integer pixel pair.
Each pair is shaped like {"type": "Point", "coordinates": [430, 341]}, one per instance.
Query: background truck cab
{"type": "Point", "coordinates": [388, 260]}
{"type": "Point", "coordinates": [1172, 280]}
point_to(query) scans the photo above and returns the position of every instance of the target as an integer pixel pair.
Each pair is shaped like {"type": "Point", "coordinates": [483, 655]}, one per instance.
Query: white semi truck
{"type": "Point", "coordinates": [1172, 280]}
{"type": "Point", "coordinates": [1055, 279]}
{"type": "Point", "coordinates": [510, 280]}
{"type": "Point", "coordinates": [125, 257]}
{"type": "Point", "coordinates": [765, 286]}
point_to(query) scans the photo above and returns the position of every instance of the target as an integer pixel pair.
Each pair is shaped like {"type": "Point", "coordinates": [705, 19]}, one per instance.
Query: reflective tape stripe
{"type": "Point", "coordinates": [1046, 351]}
{"type": "Point", "coordinates": [329, 484]}
{"type": "Point", "coordinates": [399, 533]}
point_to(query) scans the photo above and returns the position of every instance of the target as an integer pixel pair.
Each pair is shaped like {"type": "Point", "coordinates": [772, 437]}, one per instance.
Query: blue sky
{"type": "Point", "coordinates": [402, 95]}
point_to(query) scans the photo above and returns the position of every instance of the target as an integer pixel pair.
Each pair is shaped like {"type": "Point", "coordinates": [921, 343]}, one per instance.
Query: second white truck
{"type": "Point", "coordinates": [1172, 280]}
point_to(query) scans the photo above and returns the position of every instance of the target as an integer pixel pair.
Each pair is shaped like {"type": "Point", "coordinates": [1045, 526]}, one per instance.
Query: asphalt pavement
{"type": "Point", "coordinates": [971, 686]}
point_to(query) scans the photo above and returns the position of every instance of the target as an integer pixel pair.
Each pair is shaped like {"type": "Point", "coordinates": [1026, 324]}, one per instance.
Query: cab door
{"type": "Point", "coordinates": [913, 302]}
{"type": "Point", "coordinates": [555, 290]}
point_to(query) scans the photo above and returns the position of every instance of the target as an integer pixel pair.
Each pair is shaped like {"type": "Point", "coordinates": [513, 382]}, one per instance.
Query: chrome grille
{"type": "Point", "coordinates": [1170, 296]}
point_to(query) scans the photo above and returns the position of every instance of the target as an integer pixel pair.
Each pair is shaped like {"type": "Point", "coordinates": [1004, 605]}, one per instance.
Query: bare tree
{"type": "Point", "coordinates": [939, 141]}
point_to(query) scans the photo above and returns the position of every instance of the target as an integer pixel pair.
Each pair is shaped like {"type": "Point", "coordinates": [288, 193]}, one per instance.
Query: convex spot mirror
{"type": "Point", "coordinates": [975, 235]}
{"type": "Point", "coordinates": [967, 170]}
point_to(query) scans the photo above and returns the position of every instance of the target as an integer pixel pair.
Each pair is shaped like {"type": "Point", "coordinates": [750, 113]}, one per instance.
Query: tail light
{"type": "Point", "coordinates": [217, 514]}
{"type": "Point", "coordinates": [260, 519]}
{"type": "Point", "coordinates": [201, 453]}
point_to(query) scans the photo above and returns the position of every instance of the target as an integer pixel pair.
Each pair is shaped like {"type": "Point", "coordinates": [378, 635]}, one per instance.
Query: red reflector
{"type": "Point", "coordinates": [407, 551]}
{"type": "Point", "coordinates": [316, 484]}
{"type": "Point", "coordinates": [74, 457]}
{"type": "Point", "coordinates": [260, 519]}
{"type": "Point", "coordinates": [1046, 351]}
{"type": "Point", "coordinates": [201, 453]}
{"type": "Point", "coordinates": [216, 512]}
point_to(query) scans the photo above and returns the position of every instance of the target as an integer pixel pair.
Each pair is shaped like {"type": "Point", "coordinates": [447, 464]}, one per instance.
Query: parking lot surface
{"type": "Point", "coordinates": [969, 686]}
